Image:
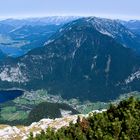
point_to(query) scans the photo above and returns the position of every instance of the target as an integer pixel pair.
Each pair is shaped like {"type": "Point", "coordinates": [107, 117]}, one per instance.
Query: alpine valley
{"type": "Point", "coordinates": [70, 63]}
{"type": "Point", "coordinates": [18, 36]}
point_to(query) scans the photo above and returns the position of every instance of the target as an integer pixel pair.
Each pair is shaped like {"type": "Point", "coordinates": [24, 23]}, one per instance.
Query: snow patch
{"type": "Point", "coordinates": [132, 77]}
{"type": "Point", "coordinates": [108, 64]}
{"type": "Point", "coordinates": [48, 42]}
{"type": "Point", "coordinates": [106, 33]}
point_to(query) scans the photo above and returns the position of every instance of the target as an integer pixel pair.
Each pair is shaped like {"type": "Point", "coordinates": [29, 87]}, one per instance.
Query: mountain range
{"type": "Point", "coordinates": [89, 58]}
{"type": "Point", "coordinates": [18, 36]}
{"type": "Point", "coordinates": [42, 21]}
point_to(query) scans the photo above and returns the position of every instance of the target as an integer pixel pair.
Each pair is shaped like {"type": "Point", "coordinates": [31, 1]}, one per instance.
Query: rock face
{"type": "Point", "coordinates": [22, 132]}
{"type": "Point", "coordinates": [84, 59]}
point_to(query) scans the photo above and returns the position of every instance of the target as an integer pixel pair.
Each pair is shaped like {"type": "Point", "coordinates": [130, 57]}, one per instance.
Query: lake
{"type": "Point", "coordinates": [7, 95]}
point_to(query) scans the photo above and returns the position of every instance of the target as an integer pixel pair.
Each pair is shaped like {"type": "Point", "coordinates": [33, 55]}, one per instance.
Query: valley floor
{"type": "Point", "coordinates": [16, 112]}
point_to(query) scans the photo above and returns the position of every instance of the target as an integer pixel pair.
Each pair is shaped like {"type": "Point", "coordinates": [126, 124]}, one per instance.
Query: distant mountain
{"type": "Point", "coordinates": [4, 28]}
{"type": "Point", "coordinates": [116, 30]}
{"type": "Point", "coordinates": [19, 41]}
{"type": "Point", "coordinates": [17, 37]}
{"type": "Point", "coordinates": [81, 61]}
{"type": "Point", "coordinates": [30, 37]}
{"type": "Point", "coordinates": [57, 20]}
{"type": "Point", "coordinates": [133, 25]}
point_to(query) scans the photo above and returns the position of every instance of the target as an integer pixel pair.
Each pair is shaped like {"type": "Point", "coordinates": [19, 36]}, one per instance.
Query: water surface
{"type": "Point", "coordinates": [7, 95]}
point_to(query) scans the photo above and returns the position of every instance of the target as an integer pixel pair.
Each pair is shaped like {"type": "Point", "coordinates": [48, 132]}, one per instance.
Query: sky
{"type": "Point", "coordinates": [118, 9]}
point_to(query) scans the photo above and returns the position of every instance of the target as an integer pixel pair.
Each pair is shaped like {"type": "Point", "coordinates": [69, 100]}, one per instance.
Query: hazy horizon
{"type": "Point", "coordinates": [119, 9]}
{"type": "Point", "coordinates": [80, 16]}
